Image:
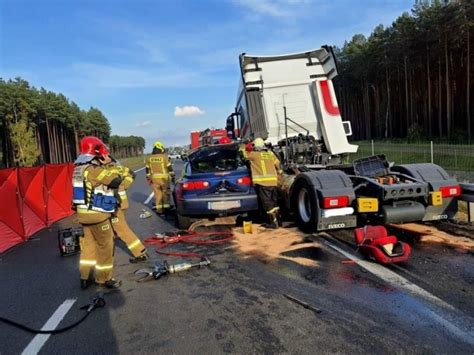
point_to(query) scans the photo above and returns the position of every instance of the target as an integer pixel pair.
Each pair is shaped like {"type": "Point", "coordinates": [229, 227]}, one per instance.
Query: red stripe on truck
{"type": "Point", "coordinates": [328, 104]}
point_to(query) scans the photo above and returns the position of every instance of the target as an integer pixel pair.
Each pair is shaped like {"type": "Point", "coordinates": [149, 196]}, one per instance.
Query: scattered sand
{"type": "Point", "coordinates": [429, 234]}
{"type": "Point", "coordinates": [204, 223]}
{"type": "Point", "coordinates": [268, 245]}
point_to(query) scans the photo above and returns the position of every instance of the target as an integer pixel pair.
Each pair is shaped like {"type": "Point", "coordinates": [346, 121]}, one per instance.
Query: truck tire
{"type": "Point", "coordinates": [305, 206]}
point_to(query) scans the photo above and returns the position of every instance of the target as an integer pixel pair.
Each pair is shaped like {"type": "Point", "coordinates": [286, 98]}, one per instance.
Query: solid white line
{"type": "Point", "coordinates": [400, 282]}
{"type": "Point", "coordinates": [149, 198]}
{"type": "Point", "coordinates": [136, 171]}
{"type": "Point", "coordinates": [39, 340]}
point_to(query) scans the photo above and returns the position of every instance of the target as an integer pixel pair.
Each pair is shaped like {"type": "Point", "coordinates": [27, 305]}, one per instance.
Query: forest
{"type": "Point", "coordinates": [411, 80]}
{"type": "Point", "coordinates": [39, 126]}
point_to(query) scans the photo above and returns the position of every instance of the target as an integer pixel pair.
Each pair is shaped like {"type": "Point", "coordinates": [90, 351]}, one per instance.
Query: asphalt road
{"type": "Point", "coordinates": [237, 304]}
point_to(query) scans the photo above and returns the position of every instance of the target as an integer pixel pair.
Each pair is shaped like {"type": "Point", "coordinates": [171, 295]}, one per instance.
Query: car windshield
{"type": "Point", "coordinates": [215, 158]}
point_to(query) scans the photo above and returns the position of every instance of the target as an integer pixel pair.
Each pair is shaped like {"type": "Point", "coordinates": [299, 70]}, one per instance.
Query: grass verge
{"type": "Point", "coordinates": [133, 163]}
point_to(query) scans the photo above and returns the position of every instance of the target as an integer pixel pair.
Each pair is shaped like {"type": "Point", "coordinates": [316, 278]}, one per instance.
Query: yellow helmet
{"type": "Point", "coordinates": [159, 145]}
{"type": "Point", "coordinates": [259, 143]}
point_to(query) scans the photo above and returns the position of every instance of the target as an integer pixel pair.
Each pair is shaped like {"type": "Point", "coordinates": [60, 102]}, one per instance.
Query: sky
{"type": "Point", "coordinates": [161, 69]}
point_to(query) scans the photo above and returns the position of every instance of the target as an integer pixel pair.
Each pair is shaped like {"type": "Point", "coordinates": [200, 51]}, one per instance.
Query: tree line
{"type": "Point", "coordinates": [39, 126]}
{"type": "Point", "coordinates": [126, 147]}
{"type": "Point", "coordinates": [412, 79]}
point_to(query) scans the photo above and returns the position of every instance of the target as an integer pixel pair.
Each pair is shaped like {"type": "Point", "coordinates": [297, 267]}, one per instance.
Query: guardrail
{"type": "Point", "coordinates": [467, 195]}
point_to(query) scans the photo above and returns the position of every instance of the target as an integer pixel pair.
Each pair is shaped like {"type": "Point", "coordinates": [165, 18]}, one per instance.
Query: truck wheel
{"type": "Point", "coordinates": [183, 222]}
{"type": "Point", "coordinates": [305, 206]}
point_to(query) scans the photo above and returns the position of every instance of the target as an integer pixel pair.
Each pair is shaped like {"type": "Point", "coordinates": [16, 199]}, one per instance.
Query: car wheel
{"type": "Point", "coordinates": [304, 205]}
{"type": "Point", "coordinates": [183, 222]}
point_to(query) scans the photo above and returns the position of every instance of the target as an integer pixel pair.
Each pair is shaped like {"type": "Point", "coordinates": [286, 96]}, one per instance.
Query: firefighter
{"type": "Point", "coordinates": [119, 222]}
{"type": "Point", "coordinates": [94, 185]}
{"type": "Point", "coordinates": [159, 172]}
{"type": "Point", "coordinates": [265, 170]}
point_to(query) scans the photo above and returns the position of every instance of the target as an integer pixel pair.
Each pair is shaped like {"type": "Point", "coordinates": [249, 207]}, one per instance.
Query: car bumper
{"type": "Point", "coordinates": [202, 206]}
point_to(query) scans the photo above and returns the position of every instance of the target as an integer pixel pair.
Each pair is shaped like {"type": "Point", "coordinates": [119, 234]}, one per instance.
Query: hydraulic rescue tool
{"type": "Point", "coordinates": [162, 269]}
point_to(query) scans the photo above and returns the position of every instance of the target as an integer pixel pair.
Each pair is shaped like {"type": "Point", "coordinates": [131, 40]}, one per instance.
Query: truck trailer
{"type": "Point", "coordinates": [289, 100]}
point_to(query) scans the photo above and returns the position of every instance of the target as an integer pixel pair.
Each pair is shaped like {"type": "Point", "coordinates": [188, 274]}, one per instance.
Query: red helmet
{"type": "Point", "coordinates": [225, 140]}
{"type": "Point", "coordinates": [93, 146]}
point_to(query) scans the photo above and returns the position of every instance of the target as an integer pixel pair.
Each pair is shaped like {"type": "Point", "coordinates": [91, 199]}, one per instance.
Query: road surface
{"type": "Point", "coordinates": [237, 304]}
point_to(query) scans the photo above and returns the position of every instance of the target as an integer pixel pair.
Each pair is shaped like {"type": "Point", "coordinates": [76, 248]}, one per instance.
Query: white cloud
{"type": "Point", "coordinates": [187, 111]}
{"type": "Point", "coordinates": [272, 8]}
{"type": "Point", "coordinates": [143, 124]}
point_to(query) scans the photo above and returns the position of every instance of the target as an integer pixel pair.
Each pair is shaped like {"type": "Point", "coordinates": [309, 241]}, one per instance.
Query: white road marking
{"type": "Point", "coordinates": [149, 198]}
{"type": "Point", "coordinates": [402, 283]}
{"type": "Point", "coordinates": [39, 340]}
{"type": "Point", "coordinates": [136, 171]}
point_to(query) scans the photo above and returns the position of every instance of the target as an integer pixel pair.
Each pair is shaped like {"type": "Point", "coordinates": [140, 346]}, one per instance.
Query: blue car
{"type": "Point", "coordinates": [215, 182]}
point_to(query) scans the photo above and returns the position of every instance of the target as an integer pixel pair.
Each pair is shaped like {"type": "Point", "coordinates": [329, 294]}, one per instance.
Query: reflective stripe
{"type": "Point", "coordinates": [104, 267]}
{"type": "Point", "coordinates": [123, 193]}
{"type": "Point", "coordinates": [135, 244]}
{"type": "Point", "coordinates": [102, 174]}
{"type": "Point", "coordinates": [114, 220]}
{"type": "Point", "coordinates": [273, 210]}
{"type": "Point", "coordinates": [84, 209]}
{"type": "Point", "coordinates": [160, 175]}
{"type": "Point", "coordinates": [258, 178]}
{"type": "Point", "coordinates": [87, 262]}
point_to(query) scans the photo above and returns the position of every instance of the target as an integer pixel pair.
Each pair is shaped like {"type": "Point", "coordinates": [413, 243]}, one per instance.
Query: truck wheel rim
{"type": "Point", "coordinates": [304, 205]}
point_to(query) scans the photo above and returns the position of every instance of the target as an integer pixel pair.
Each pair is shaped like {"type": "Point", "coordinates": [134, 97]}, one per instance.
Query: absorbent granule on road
{"type": "Point", "coordinates": [268, 245]}
{"type": "Point", "coordinates": [430, 234]}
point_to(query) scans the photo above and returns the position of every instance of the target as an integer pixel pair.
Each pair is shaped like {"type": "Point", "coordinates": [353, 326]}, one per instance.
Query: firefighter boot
{"type": "Point", "coordinates": [273, 216]}
{"type": "Point", "coordinates": [139, 259]}
{"type": "Point", "coordinates": [112, 283]}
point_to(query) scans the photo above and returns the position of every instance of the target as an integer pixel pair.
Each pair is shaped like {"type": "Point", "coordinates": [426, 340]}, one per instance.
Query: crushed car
{"type": "Point", "coordinates": [215, 182]}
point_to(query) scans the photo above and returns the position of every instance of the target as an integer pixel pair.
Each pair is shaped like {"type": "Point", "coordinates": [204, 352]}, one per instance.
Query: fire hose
{"type": "Point", "coordinates": [97, 302]}
{"type": "Point", "coordinates": [166, 240]}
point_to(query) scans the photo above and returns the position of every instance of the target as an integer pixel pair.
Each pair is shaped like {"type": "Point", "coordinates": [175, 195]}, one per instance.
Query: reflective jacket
{"type": "Point", "coordinates": [94, 192]}
{"type": "Point", "coordinates": [128, 178]}
{"type": "Point", "coordinates": [264, 167]}
{"type": "Point", "coordinates": [158, 166]}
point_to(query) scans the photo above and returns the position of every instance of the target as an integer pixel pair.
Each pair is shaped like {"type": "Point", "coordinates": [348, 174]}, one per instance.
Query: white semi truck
{"type": "Point", "coordinates": [290, 101]}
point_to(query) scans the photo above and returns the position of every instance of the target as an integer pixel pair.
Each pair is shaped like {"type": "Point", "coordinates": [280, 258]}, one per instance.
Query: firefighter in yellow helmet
{"type": "Point", "coordinates": [119, 222]}
{"type": "Point", "coordinates": [159, 172]}
{"type": "Point", "coordinates": [265, 169]}
{"type": "Point", "coordinates": [94, 198]}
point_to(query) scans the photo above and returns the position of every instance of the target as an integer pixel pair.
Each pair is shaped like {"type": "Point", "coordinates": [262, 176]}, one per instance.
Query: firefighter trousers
{"type": "Point", "coordinates": [268, 201]}
{"type": "Point", "coordinates": [126, 234]}
{"type": "Point", "coordinates": [98, 252]}
{"type": "Point", "coordinates": [161, 189]}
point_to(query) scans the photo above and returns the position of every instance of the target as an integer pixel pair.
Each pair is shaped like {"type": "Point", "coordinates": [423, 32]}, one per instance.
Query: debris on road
{"type": "Point", "coordinates": [220, 221]}
{"type": "Point", "coordinates": [430, 234]}
{"type": "Point", "coordinates": [374, 242]}
{"type": "Point", "coordinates": [145, 214]}
{"type": "Point", "coordinates": [271, 245]}
{"type": "Point", "coordinates": [303, 304]}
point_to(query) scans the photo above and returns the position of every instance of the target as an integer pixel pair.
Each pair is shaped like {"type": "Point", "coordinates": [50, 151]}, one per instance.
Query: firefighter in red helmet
{"type": "Point", "coordinates": [94, 198]}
